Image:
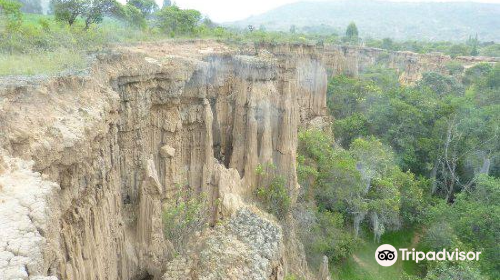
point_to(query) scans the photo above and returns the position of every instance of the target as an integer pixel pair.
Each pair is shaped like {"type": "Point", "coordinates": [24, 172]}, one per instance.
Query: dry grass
{"type": "Point", "coordinates": [41, 63]}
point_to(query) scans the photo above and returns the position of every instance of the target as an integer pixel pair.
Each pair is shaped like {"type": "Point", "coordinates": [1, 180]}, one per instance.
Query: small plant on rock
{"type": "Point", "coordinates": [183, 216]}
{"type": "Point", "coordinates": [273, 194]}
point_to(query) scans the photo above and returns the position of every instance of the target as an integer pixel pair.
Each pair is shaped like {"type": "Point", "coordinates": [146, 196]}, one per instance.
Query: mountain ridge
{"type": "Point", "coordinates": [454, 21]}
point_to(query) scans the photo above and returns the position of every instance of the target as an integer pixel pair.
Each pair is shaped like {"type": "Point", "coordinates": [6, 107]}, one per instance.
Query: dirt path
{"type": "Point", "coordinates": [416, 237]}
{"type": "Point", "coordinates": [359, 261]}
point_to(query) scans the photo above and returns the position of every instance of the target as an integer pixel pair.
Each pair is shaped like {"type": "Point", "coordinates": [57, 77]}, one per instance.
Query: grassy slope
{"type": "Point", "coordinates": [44, 46]}
{"type": "Point", "coordinates": [46, 63]}
{"type": "Point", "coordinates": [362, 265]}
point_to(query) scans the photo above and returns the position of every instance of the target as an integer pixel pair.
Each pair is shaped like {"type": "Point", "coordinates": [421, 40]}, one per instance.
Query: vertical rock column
{"type": "Point", "coordinates": [149, 223]}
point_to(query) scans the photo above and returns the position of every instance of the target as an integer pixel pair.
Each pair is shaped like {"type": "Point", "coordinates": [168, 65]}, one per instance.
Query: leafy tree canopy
{"type": "Point", "coordinates": [147, 7]}
{"type": "Point", "coordinates": [173, 20]}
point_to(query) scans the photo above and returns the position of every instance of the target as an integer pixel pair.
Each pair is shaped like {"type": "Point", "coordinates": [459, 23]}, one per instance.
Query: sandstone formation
{"type": "Point", "coordinates": [88, 161]}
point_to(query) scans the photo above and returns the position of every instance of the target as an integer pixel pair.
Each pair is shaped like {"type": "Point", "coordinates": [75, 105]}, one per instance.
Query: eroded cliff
{"type": "Point", "coordinates": [87, 162]}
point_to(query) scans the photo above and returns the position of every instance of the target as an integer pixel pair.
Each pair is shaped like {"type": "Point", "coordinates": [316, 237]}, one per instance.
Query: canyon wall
{"type": "Point", "coordinates": [352, 60]}
{"type": "Point", "coordinates": [88, 161]}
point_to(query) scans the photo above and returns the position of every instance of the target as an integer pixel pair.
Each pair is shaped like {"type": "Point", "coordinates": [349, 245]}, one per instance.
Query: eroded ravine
{"type": "Point", "coordinates": [87, 161]}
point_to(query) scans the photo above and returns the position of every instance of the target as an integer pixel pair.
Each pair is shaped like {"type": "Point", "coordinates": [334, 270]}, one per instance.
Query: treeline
{"type": "Point", "coordinates": [472, 47]}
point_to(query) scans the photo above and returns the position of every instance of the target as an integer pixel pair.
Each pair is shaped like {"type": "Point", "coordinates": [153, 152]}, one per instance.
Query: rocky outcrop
{"type": "Point", "coordinates": [247, 246]}
{"type": "Point", "coordinates": [26, 203]}
{"type": "Point", "coordinates": [88, 161]}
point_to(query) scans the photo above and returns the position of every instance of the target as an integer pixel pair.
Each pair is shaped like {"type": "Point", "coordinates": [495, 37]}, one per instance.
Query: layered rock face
{"type": "Point", "coordinates": [110, 148]}
{"type": "Point", "coordinates": [352, 60]}
{"type": "Point", "coordinates": [87, 162]}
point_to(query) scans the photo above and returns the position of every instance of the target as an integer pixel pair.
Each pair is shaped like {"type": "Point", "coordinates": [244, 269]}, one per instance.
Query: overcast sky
{"type": "Point", "coordinates": [231, 10]}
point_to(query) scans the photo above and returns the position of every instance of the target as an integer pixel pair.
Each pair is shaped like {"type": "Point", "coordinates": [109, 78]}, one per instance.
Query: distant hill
{"type": "Point", "coordinates": [378, 19]}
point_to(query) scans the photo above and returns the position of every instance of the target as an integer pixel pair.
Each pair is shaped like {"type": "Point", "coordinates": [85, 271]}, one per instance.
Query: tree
{"type": "Point", "coordinates": [441, 84]}
{"type": "Point", "coordinates": [10, 12]}
{"type": "Point", "coordinates": [131, 15]}
{"type": "Point", "coordinates": [458, 50]}
{"type": "Point", "coordinates": [493, 79]}
{"type": "Point", "coordinates": [387, 44]}
{"type": "Point", "coordinates": [293, 29]}
{"type": "Point", "coordinates": [173, 20]}
{"type": "Point", "coordinates": [329, 237]}
{"type": "Point", "coordinates": [491, 50]}
{"type": "Point", "coordinates": [473, 43]}
{"type": "Point", "coordinates": [474, 51]}
{"type": "Point", "coordinates": [363, 183]}
{"type": "Point", "coordinates": [92, 11]}
{"type": "Point", "coordinates": [444, 271]}
{"type": "Point", "coordinates": [209, 23]}
{"type": "Point", "coordinates": [472, 222]}
{"type": "Point", "coordinates": [351, 33]}
{"type": "Point", "coordinates": [147, 7]}
{"type": "Point", "coordinates": [68, 10]}
{"type": "Point", "coordinates": [166, 3]}
{"type": "Point", "coordinates": [475, 217]}
{"type": "Point", "coordinates": [475, 73]}
{"type": "Point", "coordinates": [375, 163]}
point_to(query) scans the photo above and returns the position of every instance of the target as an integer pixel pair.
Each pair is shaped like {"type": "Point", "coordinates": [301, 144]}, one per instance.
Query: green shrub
{"type": "Point", "coordinates": [333, 240]}
{"type": "Point", "coordinates": [491, 50]}
{"type": "Point", "coordinates": [292, 277]}
{"type": "Point", "coordinates": [476, 73]}
{"type": "Point", "coordinates": [10, 15]}
{"type": "Point", "coordinates": [493, 79]}
{"type": "Point", "coordinates": [444, 271]}
{"type": "Point", "coordinates": [274, 195]}
{"type": "Point", "coordinates": [183, 217]}
{"type": "Point", "coordinates": [455, 67]}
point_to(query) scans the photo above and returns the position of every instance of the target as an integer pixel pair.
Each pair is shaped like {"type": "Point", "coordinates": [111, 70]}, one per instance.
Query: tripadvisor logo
{"type": "Point", "coordinates": [387, 255]}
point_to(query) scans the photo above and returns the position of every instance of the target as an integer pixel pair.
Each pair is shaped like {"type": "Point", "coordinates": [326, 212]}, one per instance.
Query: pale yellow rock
{"type": "Point", "coordinates": [167, 151]}
{"type": "Point", "coordinates": [3, 166]}
{"type": "Point", "coordinates": [324, 272]}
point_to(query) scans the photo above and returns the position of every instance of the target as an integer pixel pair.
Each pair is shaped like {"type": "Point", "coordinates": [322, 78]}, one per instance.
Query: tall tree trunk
{"type": "Point", "coordinates": [88, 22]}
{"type": "Point", "coordinates": [451, 187]}
{"type": "Point", "coordinates": [433, 176]}
{"type": "Point", "coordinates": [485, 169]}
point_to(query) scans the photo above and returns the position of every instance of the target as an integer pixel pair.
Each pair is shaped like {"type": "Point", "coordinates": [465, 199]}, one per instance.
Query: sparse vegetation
{"type": "Point", "coordinates": [273, 193]}
{"type": "Point", "coordinates": [291, 277]}
{"type": "Point", "coordinates": [48, 63]}
{"type": "Point", "coordinates": [78, 27]}
{"type": "Point", "coordinates": [184, 217]}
